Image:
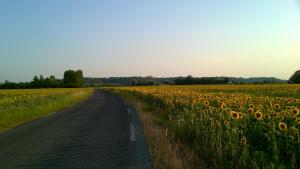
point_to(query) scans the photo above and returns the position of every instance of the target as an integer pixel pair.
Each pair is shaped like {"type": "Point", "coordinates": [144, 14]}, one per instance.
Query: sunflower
{"type": "Point", "coordinates": [226, 123]}
{"type": "Point", "coordinates": [295, 111]}
{"type": "Point", "coordinates": [298, 121]}
{"type": "Point", "coordinates": [206, 103]}
{"type": "Point", "coordinates": [250, 110]}
{"type": "Point", "coordinates": [282, 126]}
{"type": "Point", "coordinates": [258, 115]}
{"type": "Point", "coordinates": [275, 115]}
{"type": "Point", "coordinates": [251, 106]}
{"type": "Point", "coordinates": [277, 106]}
{"type": "Point", "coordinates": [267, 117]}
{"type": "Point", "coordinates": [222, 105]}
{"type": "Point", "coordinates": [288, 108]}
{"type": "Point", "coordinates": [287, 112]}
{"type": "Point", "coordinates": [243, 140]}
{"type": "Point", "coordinates": [234, 115]}
{"type": "Point", "coordinates": [240, 115]}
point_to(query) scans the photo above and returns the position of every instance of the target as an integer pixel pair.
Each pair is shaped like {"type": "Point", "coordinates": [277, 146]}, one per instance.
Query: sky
{"type": "Point", "coordinates": [248, 38]}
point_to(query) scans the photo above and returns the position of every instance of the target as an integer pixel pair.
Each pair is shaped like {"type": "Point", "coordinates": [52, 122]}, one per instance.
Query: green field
{"type": "Point", "coordinates": [230, 126]}
{"type": "Point", "coordinates": [22, 105]}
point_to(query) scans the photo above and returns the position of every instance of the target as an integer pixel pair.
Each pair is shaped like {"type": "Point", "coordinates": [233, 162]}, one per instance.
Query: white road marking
{"type": "Point", "coordinates": [128, 110]}
{"type": "Point", "coordinates": [132, 133]}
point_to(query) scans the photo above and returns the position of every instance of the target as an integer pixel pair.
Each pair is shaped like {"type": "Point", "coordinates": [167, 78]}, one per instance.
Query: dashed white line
{"type": "Point", "coordinates": [128, 110]}
{"type": "Point", "coordinates": [132, 133]}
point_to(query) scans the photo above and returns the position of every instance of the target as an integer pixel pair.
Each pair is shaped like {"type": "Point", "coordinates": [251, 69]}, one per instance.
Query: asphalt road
{"type": "Point", "coordinates": [101, 132]}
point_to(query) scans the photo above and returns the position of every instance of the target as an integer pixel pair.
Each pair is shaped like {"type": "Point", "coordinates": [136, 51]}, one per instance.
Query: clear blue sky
{"type": "Point", "coordinates": [155, 37]}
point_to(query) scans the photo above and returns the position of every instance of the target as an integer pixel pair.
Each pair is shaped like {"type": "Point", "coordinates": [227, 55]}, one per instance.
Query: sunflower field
{"type": "Point", "coordinates": [230, 126]}
{"type": "Point", "coordinates": [22, 105]}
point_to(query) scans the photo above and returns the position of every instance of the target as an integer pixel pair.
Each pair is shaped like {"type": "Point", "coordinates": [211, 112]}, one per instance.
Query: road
{"type": "Point", "coordinates": [101, 132]}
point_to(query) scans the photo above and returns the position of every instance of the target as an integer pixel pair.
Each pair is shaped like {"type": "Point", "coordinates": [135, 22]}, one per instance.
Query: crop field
{"type": "Point", "coordinates": [22, 105]}
{"type": "Point", "coordinates": [230, 126]}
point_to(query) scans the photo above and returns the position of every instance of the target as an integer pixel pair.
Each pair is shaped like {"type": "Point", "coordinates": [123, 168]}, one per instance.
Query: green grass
{"type": "Point", "coordinates": [20, 106]}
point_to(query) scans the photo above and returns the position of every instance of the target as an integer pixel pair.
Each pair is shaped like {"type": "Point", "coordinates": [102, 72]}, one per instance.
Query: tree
{"type": "Point", "coordinates": [295, 78]}
{"type": "Point", "coordinates": [73, 78]}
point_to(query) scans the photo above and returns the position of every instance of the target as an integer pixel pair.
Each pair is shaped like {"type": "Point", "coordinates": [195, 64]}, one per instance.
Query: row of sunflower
{"type": "Point", "coordinates": [21, 105]}
{"type": "Point", "coordinates": [230, 129]}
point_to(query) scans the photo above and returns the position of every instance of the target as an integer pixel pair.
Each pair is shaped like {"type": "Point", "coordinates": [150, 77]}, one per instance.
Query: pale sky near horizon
{"type": "Point", "coordinates": [139, 38]}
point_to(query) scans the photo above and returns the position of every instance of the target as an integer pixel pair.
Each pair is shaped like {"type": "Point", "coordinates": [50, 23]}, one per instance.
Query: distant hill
{"type": "Point", "coordinates": [256, 80]}
{"type": "Point", "coordinates": [149, 80]}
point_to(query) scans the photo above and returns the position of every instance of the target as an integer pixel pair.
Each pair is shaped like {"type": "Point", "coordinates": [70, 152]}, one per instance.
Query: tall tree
{"type": "Point", "coordinates": [73, 78]}
{"type": "Point", "coordinates": [295, 78]}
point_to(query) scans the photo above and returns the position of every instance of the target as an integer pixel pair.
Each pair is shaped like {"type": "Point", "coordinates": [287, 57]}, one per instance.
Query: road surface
{"type": "Point", "coordinates": [99, 133]}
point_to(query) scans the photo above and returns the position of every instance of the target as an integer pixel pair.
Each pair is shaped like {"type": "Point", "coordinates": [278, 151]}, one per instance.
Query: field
{"type": "Point", "coordinates": [19, 106]}
{"type": "Point", "coordinates": [230, 126]}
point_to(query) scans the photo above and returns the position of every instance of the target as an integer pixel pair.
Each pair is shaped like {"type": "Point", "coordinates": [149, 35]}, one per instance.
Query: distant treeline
{"type": "Point", "coordinates": [189, 80]}
{"type": "Point", "coordinates": [149, 80]}
{"type": "Point", "coordinates": [72, 79]}
{"type": "Point", "coordinates": [75, 79]}
{"type": "Point", "coordinates": [127, 81]}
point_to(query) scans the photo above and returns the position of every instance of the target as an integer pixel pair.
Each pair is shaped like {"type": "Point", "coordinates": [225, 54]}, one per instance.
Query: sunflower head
{"type": "Point", "coordinates": [267, 117]}
{"type": "Point", "coordinates": [295, 111]}
{"type": "Point", "coordinates": [298, 121]}
{"type": "Point", "coordinates": [234, 115]}
{"type": "Point", "coordinates": [275, 115]}
{"type": "Point", "coordinates": [240, 115]}
{"type": "Point", "coordinates": [243, 140]}
{"type": "Point", "coordinates": [206, 103]}
{"type": "Point", "coordinates": [282, 126]}
{"type": "Point", "coordinates": [277, 106]}
{"type": "Point", "coordinates": [250, 110]}
{"type": "Point", "coordinates": [258, 115]}
{"type": "Point", "coordinates": [222, 105]}
{"type": "Point", "coordinates": [288, 108]}
{"type": "Point", "coordinates": [226, 123]}
{"type": "Point", "coordinates": [251, 106]}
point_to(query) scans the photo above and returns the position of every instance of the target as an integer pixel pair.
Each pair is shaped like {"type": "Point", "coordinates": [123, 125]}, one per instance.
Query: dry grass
{"type": "Point", "coordinates": [166, 152]}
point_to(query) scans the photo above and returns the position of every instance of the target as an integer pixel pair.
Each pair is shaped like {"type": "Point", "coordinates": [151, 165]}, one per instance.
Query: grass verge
{"type": "Point", "coordinates": [166, 151]}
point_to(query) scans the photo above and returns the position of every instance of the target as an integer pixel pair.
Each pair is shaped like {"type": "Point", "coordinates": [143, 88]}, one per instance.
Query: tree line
{"type": "Point", "coordinates": [75, 79]}
{"type": "Point", "coordinates": [189, 80]}
{"type": "Point", "coordinates": [71, 79]}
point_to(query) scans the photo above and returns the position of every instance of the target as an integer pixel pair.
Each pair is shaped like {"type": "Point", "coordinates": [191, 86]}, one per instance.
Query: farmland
{"type": "Point", "coordinates": [19, 106]}
{"type": "Point", "coordinates": [230, 126]}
